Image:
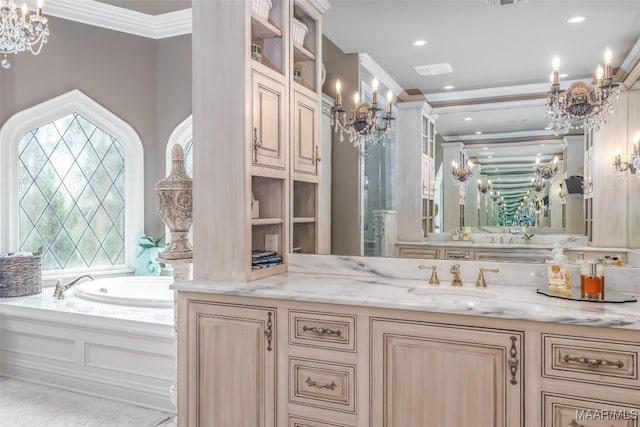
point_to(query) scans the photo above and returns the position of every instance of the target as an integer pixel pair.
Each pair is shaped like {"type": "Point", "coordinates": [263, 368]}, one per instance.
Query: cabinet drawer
{"type": "Point", "coordinates": [306, 422]}
{"type": "Point", "coordinates": [592, 361]}
{"type": "Point", "coordinates": [456, 254]}
{"type": "Point", "coordinates": [563, 411]}
{"type": "Point", "coordinates": [322, 330]}
{"type": "Point", "coordinates": [322, 384]}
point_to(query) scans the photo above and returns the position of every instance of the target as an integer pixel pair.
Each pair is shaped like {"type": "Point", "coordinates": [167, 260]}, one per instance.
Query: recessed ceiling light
{"type": "Point", "coordinates": [448, 87]}
{"type": "Point", "coordinates": [547, 128]}
{"type": "Point", "coordinates": [419, 42]}
{"type": "Point", "coordinates": [480, 133]}
{"type": "Point", "coordinates": [433, 69]}
{"type": "Point", "coordinates": [576, 19]}
{"type": "Point", "coordinates": [490, 157]}
{"type": "Point", "coordinates": [541, 145]}
{"type": "Point", "coordinates": [468, 119]}
{"type": "Point", "coordinates": [539, 154]}
{"type": "Point", "coordinates": [563, 75]}
{"type": "Point", "coordinates": [485, 148]}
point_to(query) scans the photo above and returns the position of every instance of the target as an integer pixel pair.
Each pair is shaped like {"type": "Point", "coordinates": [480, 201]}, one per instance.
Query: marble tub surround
{"type": "Point", "coordinates": [74, 306]}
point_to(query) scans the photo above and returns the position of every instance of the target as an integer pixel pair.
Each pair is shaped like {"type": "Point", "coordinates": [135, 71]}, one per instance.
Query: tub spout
{"type": "Point", "coordinates": [60, 288]}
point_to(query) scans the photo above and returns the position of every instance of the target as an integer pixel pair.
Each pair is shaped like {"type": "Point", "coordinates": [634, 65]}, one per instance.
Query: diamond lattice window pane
{"type": "Point", "coordinates": [71, 176]}
{"type": "Point", "coordinates": [188, 157]}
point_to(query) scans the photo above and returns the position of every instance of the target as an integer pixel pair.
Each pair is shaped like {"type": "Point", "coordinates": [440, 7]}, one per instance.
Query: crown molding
{"type": "Point", "coordinates": [322, 5]}
{"type": "Point", "coordinates": [378, 72]}
{"type": "Point", "coordinates": [119, 19]}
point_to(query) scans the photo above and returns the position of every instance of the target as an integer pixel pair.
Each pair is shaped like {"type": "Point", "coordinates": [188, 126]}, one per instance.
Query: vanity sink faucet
{"type": "Point", "coordinates": [481, 283]}
{"type": "Point", "coordinates": [434, 273]}
{"type": "Point", "coordinates": [455, 270]}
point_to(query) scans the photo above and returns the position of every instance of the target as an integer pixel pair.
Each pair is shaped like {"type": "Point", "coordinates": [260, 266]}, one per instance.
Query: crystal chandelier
{"type": "Point", "coordinates": [460, 175]}
{"type": "Point", "coordinates": [547, 172]}
{"type": "Point", "coordinates": [537, 184]}
{"type": "Point", "coordinates": [21, 30]}
{"type": "Point", "coordinates": [484, 187]}
{"type": "Point", "coordinates": [562, 195]}
{"type": "Point", "coordinates": [496, 196]}
{"type": "Point", "coordinates": [365, 123]}
{"type": "Point", "coordinates": [582, 105]}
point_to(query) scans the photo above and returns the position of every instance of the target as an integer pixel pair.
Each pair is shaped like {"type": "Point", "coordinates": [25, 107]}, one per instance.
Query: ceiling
{"type": "Point", "coordinates": [150, 7]}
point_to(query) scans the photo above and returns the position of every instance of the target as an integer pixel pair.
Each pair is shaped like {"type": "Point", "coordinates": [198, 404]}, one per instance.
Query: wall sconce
{"type": "Point", "coordinates": [632, 165]}
{"type": "Point", "coordinates": [549, 171]}
{"type": "Point", "coordinates": [484, 187]}
{"type": "Point", "coordinates": [537, 183]}
{"type": "Point", "coordinates": [461, 175]}
{"type": "Point", "coordinates": [365, 122]}
{"type": "Point", "coordinates": [562, 195]}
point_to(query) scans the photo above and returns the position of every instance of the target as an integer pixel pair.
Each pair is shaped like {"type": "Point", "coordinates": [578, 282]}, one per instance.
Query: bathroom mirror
{"type": "Point", "coordinates": [495, 109]}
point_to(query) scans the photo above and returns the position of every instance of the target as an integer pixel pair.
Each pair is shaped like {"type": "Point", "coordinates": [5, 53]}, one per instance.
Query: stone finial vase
{"type": "Point", "coordinates": [174, 198]}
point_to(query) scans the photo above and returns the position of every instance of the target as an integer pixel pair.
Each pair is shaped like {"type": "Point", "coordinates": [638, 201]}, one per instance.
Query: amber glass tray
{"type": "Point", "coordinates": [575, 296]}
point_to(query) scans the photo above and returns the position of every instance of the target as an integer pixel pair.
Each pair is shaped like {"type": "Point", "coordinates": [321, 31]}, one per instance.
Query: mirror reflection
{"type": "Point", "coordinates": [490, 157]}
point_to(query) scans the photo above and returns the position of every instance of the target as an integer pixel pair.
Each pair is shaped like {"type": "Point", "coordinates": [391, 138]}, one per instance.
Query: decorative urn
{"type": "Point", "coordinates": [174, 198]}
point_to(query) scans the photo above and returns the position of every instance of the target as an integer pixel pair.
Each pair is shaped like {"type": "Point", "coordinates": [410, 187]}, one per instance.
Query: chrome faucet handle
{"type": "Point", "coordinates": [501, 239]}
{"type": "Point", "coordinates": [511, 240]}
{"type": "Point", "coordinates": [481, 283]}
{"type": "Point", "coordinates": [493, 239]}
{"type": "Point", "coordinates": [59, 290]}
{"type": "Point", "coordinates": [455, 270]}
{"type": "Point", "coordinates": [434, 273]}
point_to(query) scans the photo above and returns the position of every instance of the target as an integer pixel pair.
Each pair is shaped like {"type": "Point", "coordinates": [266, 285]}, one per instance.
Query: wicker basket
{"type": "Point", "coordinates": [20, 275]}
{"type": "Point", "coordinates": [261, 8]}
{"type": "Point", "coordinates": [300, 30]}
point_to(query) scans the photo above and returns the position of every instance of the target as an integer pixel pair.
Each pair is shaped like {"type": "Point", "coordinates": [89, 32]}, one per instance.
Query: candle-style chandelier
{"type": "Point", "coordinates": [537, 183]}
{"type": "Point", "coordinates": [562, 195]}
{"type": "Point", "coordinates": [633, 165]}
{"type": "Point", "coordinates": [459, 174]}
{"type": "Point", "coordinates": [582, 105]}
{"type": "Point", "coordinates": [21, 30]}
{"type": "Point", "coordinates": [365, 123]}
{"type": "Point", "coordinates": [496, 196]}
{"type": "Point", "coordinates": [484, 187]}
{"type": "Point", "coordinates": [547, 172]}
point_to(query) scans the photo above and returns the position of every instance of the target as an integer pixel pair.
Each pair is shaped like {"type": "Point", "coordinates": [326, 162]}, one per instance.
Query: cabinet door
{"type": "Point", "coordinates": [432, 178]}
{"type": "Point", "coordinates": [425, 176]}
{"type": "Point", "coordinates": [435, 376]}
{"type": "Point", "coordinates": [268, 118]}
{"type": "Point", "coordinates": [305, 134]}
{"type": "Point", "coordinates": [231, 366]}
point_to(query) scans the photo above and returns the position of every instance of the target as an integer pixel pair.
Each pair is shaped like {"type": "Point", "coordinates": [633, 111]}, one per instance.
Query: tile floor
{"type": "Point", "coordinates": [25, 404]}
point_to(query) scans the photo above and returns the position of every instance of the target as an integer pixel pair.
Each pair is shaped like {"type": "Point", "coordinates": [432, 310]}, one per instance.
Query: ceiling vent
{"type": "Point", "coordinates": [495, 3]}
{"type": "Point", "coordinates": [433, 69]}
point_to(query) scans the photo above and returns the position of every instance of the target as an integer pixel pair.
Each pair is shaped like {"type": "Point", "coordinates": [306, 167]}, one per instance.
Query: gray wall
{"type": "Point", "coordinates": [145, 82]}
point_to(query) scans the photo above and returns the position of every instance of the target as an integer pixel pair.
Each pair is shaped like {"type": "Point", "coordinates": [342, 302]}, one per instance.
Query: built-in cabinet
{"type": "Point", "coordinates": [233, 364]}
{"type": "Point", "coordinates": [407, 250]}
{"type": "Point", "coordinates": [416, 153]}
{"type": "Point", "coordinates": [437, 375]}
{"type": "Point", "coordinates": [587, 186]}
{"type": "Point", "coordinates": [248, 362]}
{"type": "Point", "coordinates": [269, 102]}
{"type": "Point", "coordinates": [305, 141]}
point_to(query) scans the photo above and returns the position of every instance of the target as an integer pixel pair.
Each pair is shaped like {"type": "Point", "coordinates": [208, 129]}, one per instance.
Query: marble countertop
{"type": "Point", "coordinates": [518, 244]}
{"type": "Point", "coordinates": [498, 301]}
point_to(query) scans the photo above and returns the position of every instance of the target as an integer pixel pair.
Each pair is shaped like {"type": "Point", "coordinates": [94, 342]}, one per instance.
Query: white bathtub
{"type": "Point", "coordinates": [137, 291]}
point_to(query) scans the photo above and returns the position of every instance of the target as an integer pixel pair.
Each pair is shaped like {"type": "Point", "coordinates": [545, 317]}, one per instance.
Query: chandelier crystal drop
{"type": "Point", "coordinates": [21, 30]}
{"type": "Point", "coordinates": [365, 125]}
{"type": "Point", "coordinates": [582, 105]}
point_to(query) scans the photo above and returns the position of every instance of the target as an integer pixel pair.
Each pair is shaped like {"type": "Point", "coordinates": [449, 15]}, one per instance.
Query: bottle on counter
{"type": "Point", "coordinates": [592, 285]}
{"type": "Point", "coordinates": [559, 281]}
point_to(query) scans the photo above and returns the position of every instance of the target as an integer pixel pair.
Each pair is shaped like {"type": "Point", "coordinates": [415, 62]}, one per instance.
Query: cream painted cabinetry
{"type": "Point", "coordinates": [415, 158]}
{"type": "Point", "coordinates": [305, 137]}
{"type": "Point", "coordinates": [268, 119]}
{"type": "Point", "coordinates": [434, 375]}
{"type": "Point", "coordinates": [231, 360]}
{"type": "Point", "coordinates": [606, 369]}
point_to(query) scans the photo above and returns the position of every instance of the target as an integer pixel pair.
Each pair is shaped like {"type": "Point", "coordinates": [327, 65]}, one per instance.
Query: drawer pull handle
{"type": "Point", "coordinates": [593, 363]}
{"type": "Point", "coordinates": [312, 383]}
{"type": "Point", "coordinates": [574, 423]}
{"type": "Point", "coordinates": [322, 331]}
{"type": "Point", "coordinates": [256, 145]}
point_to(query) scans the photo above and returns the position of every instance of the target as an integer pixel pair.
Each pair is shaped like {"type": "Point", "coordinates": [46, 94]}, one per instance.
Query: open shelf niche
{"type": "Point", "coordinates": [269, 34]}
{"type": "Point", "coordinates": [305, 215]}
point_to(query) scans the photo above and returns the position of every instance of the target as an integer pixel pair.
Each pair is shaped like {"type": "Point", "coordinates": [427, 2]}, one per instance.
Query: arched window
{"type": "Point", "coordinates": [183, 135]}
{"type": "Point", "coordinates": [73, 173]}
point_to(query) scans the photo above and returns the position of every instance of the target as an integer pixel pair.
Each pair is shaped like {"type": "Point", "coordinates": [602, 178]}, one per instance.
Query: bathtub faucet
{"type": "Point", "coordinates": [60, 288]}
